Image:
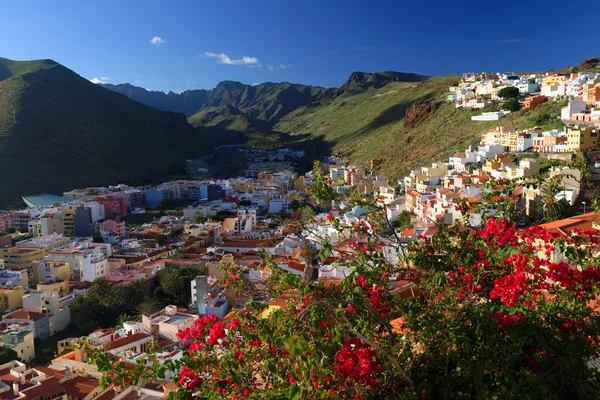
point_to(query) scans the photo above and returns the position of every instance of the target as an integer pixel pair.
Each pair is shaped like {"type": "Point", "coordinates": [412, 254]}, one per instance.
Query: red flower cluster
{"type": "Point", "coordinates": [356, 362]}
{"type": "Point", "coordinates": [504, 320]}
{"type": "Point", "coordinates": [188, 378]}
{"type": "Point", "coordinates": [509, 288]}
{"type": "Point", "coordinates": [501, 231]}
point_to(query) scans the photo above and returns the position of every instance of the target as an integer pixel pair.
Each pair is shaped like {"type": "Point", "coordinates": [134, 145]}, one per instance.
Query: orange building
{"type": "Point", "coordinates": [533, 100]}
{"type": "Point", "coordinates": [594, 94]}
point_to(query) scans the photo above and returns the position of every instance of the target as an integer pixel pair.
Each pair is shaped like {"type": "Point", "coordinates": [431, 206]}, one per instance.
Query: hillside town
{"type": "Point", "coordinates": [54, 252]}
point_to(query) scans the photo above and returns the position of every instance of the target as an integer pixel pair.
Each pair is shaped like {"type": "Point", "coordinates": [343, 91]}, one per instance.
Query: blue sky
{"type": "Point", "coordinates": [198, 43]}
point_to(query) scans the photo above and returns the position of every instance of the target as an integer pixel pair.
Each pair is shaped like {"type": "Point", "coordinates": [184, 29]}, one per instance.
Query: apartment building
{"type": "Point", "coordinates": [581, 137]}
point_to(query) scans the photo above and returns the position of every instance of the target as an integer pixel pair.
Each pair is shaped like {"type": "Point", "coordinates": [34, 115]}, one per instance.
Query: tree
{"type": "Point", "coordinates": [148, 307]}
{"type": "Point", "coordinates": [85, 314]}
{"type": "Point", "coordinates": [199, 219]}
{"type": "Point", "coordinates": [171, 281]}
{"type": "Point", "coordinates": [97, 237]}
{"type": "Point", "coordinates": [7, 355]}
{"type": "Point", "coordinates": [509, 92]}
{"type": "Point", "coordinates": [511, 104]}
{"type": "Point", "coordinates": [103, 292]}
{"type": "Point", "coordinates": [488, 316]}
{"type": "Point", "coordinates": [134, 294]}
{"type": "Point", "coordinates": [160, 239]}
{"type": "Point", "coordinates": [123, 318]}
{"type": "Point", "coordinates": [175, 232]}
{"type": "Point", "coordinates": [167, 204]}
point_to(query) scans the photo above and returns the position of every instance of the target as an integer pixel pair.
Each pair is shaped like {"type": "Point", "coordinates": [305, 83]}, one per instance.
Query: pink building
{"type": "Point", "coordinates": [113, 206]}
{"type": "Point", "coordinates": [5, 221]}
{"type": "Point", "coordinates": [115, 226]}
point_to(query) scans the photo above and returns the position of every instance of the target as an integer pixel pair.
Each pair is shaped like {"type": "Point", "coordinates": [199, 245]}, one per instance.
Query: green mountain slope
{"type": "Point", "coordinates": [59, 131]}
{"type": "Point", "coordinates": [368, 122]}
{"type": "Point", "coordinates": [268, 101]}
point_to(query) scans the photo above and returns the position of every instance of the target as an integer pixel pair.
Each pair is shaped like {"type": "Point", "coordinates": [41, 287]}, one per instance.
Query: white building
{"type": "Point", "coordinates": [208, 297]}
{"type": "Point", "coordinates": [279, 206]}
{"type": "Point", "coordinates": [49, 303]}
{"type": "Point", "coordinates": [566, 113]}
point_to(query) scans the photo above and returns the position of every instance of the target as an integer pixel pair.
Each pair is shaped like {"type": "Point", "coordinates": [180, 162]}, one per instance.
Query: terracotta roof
{"type": "Point", "coordinates": [46, 389]}
{"type": "Point", "coordinates": [124, 341]}
{"type": "Point", "coordinates": [564, 226]}
{"type": "Point", "coordinates": [24, 314]}
{"type": "Point", "coordinates": [79, 387]}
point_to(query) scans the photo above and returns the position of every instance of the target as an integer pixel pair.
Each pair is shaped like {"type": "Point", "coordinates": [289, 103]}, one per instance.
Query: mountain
{"type": "Point", "coordinates": [268, 101]}
{"type": "Point", "coordinates": [59, 131]}
{"type": "Point", "coordinates": [364, 80]}
{"type": "Point", "coordinates": [188, 102]}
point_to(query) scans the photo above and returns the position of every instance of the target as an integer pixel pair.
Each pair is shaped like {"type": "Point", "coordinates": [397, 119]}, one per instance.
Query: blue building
{"type": "Point", "coordinates": [153, 197]}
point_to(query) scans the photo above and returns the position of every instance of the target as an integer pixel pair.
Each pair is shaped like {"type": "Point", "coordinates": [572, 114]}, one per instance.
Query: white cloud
{"type": "Point", "coordinates": [165, 81]}
{"type": "Point", "coordinates": [223, 58]}
{"type": "Point", "coordinates": [102, 79]}
{"type": "Point", "coordinates": [255, 83]}
{"type": "Point", "coordinates": [157, 40]}
{"type": "Point", "coordinates": [189, 82]}
{"type": "Point", "coordinates": [277, 67]}
{"type": "Point", "coordinates": [138, 82]}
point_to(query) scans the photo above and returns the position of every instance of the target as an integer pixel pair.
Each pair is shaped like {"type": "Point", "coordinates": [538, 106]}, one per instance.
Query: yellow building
{"type": "Point", "coordinates": [69, 221]}
{"type": "Point", "coordinates": [299, 183]}
{"type": "Point", "coordinates": [549, 80]}
{"type": "Point", "coordinates": [496, 162]}
{"type": "Point", "coordinates": [581, 137]}
{"type": "Point", "coordinates": [59, 286]}
{"type": "Point", "coordinates": [44, 271]}
{"type": "Point", "coordinates": [274, 305]}
{"type": "Point", "coordinates": [16, 257]}
{"type": "Point", "coordinates": [18, 336]}
{"type": "Point", "coordinates": [11, 298]}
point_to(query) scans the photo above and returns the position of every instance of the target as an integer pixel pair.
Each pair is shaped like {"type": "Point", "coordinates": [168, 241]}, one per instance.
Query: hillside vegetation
{"type": "Point", "coordinates": [369, 122]}
{"type": "Point", "coordinates": [58, 131]}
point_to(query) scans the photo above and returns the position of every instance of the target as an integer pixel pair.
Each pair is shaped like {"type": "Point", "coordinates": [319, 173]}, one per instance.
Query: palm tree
{"type": "Point", "coordinates": [125, 318]}
{"type": "Point", "coordinates": [85, 314]}
{"type": "Point", "coordinates": [554, 209]}
{"type": "Point", "coordinates": [171, 281]}
{"type": "Point", "coordinates": [148, 307]}
{"type": "Point", "coordinates": [133, 294]}
{"type": "Point", "coordinates": [103, 292]}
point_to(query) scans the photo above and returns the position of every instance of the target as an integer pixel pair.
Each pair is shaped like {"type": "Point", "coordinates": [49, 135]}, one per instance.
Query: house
{"type": "Point", "coordinates": [41, 322]}
{"type": "Point", "coordinates": [533, 101]}
{"type": "Point", "coordinates": [10, 278]}
{"type": "Point", "coordinates": [47, 270]}
{"type": "Point", "coordinates": [208, 296]}
{"type": "Point", "coordinates": [136, 344]}
{"type": "Point", "coordinates": [166, 323]}
{"type": "Point", "coordinates": [566, 113]}
{"type": "Point", "coordinates": [11, 297]}
{"type": "Point", "coordinates": [49, 303]}
{"type": "Point", "coordinates": [18, 336]}
{"type": "Point", "coordinates": [581, 137]}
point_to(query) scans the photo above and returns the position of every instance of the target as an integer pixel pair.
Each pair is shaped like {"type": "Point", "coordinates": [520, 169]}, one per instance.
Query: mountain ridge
{"type": "Point", "coordinates": [59, 131]}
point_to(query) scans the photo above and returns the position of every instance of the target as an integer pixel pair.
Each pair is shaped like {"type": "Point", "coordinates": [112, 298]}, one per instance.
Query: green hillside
{"type": "Point", "coordinates": [268, 102]}
{"type": "Point", "coordinates": [368, 122]}
{"type": "Point", "coordinates": [59, 131]}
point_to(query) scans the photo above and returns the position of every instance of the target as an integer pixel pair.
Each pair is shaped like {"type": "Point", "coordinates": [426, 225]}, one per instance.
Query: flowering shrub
{"type": "Point", "coordinates": [492, 313]}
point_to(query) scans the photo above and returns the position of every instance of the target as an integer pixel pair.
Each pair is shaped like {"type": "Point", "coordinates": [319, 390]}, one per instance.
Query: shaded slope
{"type": "Point", "coordinates": [59, 131]}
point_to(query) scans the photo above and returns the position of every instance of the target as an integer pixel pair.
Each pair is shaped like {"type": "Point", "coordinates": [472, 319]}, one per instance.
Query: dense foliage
{"type": "Point", "coordinates": [493, 313]}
